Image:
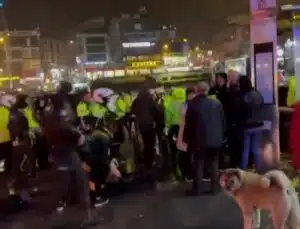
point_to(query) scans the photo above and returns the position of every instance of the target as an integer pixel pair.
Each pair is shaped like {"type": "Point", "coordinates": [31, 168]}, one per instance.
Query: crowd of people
{"type": "Point", "coordinates": [194, 132]}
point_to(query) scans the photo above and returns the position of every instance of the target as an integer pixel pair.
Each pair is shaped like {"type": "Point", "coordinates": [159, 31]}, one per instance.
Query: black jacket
{"type": "Point", "coordinates": [146, 110]}
{"type": "Point", "coordinates": [204, 124]}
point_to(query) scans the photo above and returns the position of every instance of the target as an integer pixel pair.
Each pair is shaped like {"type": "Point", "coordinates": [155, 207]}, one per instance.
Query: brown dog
{"type": "Point", "coordinates": [272, 192]}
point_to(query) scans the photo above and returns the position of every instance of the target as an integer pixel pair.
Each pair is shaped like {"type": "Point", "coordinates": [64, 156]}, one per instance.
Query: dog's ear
{"type": "Point", "coordinates": [234, 172]}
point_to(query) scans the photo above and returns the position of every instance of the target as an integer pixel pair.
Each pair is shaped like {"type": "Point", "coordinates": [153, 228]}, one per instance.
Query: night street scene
{"type": "Point", "coordinates": [149, 114]}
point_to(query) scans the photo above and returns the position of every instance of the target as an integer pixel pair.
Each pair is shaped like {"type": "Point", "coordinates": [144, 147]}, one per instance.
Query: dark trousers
{"type": "Point", "coordinates": [6, 154]}
{"type": "Point", "coordinates": [19, 178]}
{"type": "Point", "coordinates": [185, 164]}
{"type": "Point", "coordinates": [148, 136]}
{"type": "Point", "coordinates": [235, 146]}
{"type": "Point", "coordinates": [41, 151]}
{"type": "Point", "coordinates": [206, 157]}
{"type": "Point", "coordinates": [174, 152]}
{"type": "Point", "coordinates": [72, 180]}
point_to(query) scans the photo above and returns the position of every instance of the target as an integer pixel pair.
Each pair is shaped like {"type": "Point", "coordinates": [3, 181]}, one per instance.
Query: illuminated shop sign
{"type": "Point", "coordinates": [137, 44]}
{"type": "Point", "coordinates": [145, 64]}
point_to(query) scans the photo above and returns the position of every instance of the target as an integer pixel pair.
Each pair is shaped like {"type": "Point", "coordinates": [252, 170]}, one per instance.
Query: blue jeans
{"type": "Point", "coordinates": [252, 138]}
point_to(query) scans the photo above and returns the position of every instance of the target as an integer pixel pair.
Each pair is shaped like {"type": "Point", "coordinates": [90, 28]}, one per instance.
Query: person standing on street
{"type": "Point", "coordinates": [204, 134]}
{"type": "Point", "coordinates": [65, 140]}
{"type": "Point", "coordinates": [146, 112]}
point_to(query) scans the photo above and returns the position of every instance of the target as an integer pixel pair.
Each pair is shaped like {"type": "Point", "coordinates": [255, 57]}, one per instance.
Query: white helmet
{"type": "Point", "coordinates": [8, 100]}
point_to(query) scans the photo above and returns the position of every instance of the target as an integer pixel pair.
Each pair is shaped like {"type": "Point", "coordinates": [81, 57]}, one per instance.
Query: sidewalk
{"type": "Point", "coordinates": [165, 207]}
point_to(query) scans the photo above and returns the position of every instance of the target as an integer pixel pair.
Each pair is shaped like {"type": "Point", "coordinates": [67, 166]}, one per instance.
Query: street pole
{"type": "Point", "coordinates": [263, 34]}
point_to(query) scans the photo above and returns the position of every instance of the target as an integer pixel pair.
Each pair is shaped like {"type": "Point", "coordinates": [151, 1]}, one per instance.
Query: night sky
{"type": "Point", "coordinates": [191, 17]}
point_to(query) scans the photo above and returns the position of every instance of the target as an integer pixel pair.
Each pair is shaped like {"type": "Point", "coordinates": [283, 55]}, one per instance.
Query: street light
{"type": "Point", "coordinates": [166, 46]}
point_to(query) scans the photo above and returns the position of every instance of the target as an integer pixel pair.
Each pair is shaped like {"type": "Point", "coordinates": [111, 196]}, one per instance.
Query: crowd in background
{"type": "Point", "coordinates": [186, 134]}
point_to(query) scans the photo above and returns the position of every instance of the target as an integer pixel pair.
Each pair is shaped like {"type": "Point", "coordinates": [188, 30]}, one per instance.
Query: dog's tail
{"type": "Point", "coordinates": [279, 179]}
{"type": "Point", "coordinates": [294, 215]}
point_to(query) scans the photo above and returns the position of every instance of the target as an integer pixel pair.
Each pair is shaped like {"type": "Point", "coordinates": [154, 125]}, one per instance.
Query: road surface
{"type": "Point", "coordinates": [163, 208]}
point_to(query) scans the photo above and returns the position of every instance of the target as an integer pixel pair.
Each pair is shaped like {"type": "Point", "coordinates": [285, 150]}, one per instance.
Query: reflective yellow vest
{"type": "Point", "coordinates": [4, 132]}
{"type": "Point", "coordinates": [82, 110]}
{"type": "Point", "coordinates": [291, 97]}
{"type": "Point", "coordinates": [31, 120]}
{"type": "Point", "coordinates": [121, 108]}
{"type": "Point", "coordinates": [98, 111]}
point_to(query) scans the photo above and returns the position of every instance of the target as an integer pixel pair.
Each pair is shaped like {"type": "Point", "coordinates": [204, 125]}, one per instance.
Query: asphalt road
{"type": "Point", "coordinates": [161, 208]}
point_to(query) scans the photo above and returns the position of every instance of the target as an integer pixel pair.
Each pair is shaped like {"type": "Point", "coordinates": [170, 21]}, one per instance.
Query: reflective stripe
{"type": "Point", "coordinates": [4, 132]}
{"type": "Point", "coordinates": [29, 116]}
{"type": "Point", "coordinates": [98, 111]}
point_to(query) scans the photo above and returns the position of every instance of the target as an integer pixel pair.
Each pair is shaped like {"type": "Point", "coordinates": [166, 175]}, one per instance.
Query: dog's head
{"type": "Point", "coordinates": [231, 180]}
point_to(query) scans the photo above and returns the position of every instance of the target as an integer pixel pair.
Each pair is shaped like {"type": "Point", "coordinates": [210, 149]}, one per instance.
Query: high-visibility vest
{"type": "Point", "coordinates": [32, 123]}
{"type": "Point", "coordinates": [98, 111]}
{"type": "Point", "coordinates": [82, 110]}
{"type": "Point", "coordinates": [291, 97]}
{"type": "Point", "coordinates": [121, 108]}
{"type": "Point", "coordinates": [4, 120]}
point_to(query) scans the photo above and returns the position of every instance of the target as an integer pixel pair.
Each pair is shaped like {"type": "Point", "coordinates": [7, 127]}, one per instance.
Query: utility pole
{"type": "Point", "coordinates": [263, 37]}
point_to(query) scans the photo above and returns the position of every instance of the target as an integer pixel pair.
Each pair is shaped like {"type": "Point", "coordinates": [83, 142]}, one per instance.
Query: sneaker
{"type": "Point", "coordinates": [61, 206]}
{"type": "Point", "coordinates": [100, 202]}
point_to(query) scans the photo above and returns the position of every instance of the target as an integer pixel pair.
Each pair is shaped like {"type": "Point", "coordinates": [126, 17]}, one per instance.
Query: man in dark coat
{"type": "Point", "coordinates": [204, 134]}
{"type": "Point", "coordinates": [146, 112]}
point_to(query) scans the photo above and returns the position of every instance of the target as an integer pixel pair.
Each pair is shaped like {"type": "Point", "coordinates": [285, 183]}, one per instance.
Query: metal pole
{"type": "Point", "coordinates": [263, 34]}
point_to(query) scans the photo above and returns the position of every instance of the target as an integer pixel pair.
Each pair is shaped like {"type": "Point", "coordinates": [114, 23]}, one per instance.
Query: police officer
{"type": "Point", "coordinates": [5, 141]}
{"type": "Point", "coordinates": [83, 111]}
{"type": "Point", "coordinates": [172, 117]}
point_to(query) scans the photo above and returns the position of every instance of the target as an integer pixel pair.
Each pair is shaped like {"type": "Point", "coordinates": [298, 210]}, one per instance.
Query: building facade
{"type": "Point", "coordinates": [21, 53]}
{"type": "Point", "coordinates": [93, 48]}
{"type": "Point", "coordinates": [134, 42]}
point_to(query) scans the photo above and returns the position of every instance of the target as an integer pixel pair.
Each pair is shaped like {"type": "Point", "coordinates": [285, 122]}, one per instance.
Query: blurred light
{"type": "Point", "coordinates": [9, 78]}
{"type": "Point", "coordinates": [1, 40]}
{"type": "Point", "coordinates": [197, 49]}
{"type": "Point", "coordinates": [119, 72]}
{"type": "Point", "coordinates": [166, 46]}
{"type": "Point", "coordinates": [209, 52]}
{"type": "Point", "coordinates": [95, 63]}
{"type": "Point", "coordinates": [289, 43]}
{"type": "Point", "coordinates": [290, 7]}
{"type": "Point", "coordinates": [178, 69]}
{"type": "Point", "coordinates": [19, 89]}
{"type": "Point", "coordinates": [185, 40]}
{"type": "Point", "coordinates": [280, 52]}
{"type": "Point", "coordinates": [78, 60]}
{"type": "Point", "coordinates": [136, 44]}
{"type": "Point", "coordinates": [71, 42]}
